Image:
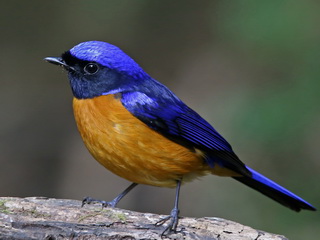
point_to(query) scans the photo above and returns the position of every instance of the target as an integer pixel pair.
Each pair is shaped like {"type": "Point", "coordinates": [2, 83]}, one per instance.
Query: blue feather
{"type": "Point", "coordinates": [273, 190]}
{"type": "Point", "coordinates": [160, 109]}
{"type": "Point", "coordinates": [262, 179]}
{"type": "Point", "coordinates": [109, 56]}
{"type": "Point", "coordinates": [171, 117]}
{"type": "Point", "coordinates": [175, 120]}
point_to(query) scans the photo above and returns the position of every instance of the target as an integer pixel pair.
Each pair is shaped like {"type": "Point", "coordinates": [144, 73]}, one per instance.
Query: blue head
{"type": "Point", "coordinates": [97, 68]}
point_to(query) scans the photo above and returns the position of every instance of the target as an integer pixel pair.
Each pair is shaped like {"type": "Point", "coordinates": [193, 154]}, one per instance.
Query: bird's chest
{"type": "Point", "coordinates": [128, 147]}
{"type": "Point", "coordinates": [106, 128]}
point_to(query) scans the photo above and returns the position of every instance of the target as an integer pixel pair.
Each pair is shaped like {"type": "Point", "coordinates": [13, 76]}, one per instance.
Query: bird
{"type": "Point", "coordinates": [140, 130]}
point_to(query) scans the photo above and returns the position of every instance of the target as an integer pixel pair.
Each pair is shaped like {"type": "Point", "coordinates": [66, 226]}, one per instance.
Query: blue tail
{"type": "Point", "coordinates": [274, 191]}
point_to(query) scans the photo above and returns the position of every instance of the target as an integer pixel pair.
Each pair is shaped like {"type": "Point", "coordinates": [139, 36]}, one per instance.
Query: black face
{"type": "Point", "coordinates": [90, 79]}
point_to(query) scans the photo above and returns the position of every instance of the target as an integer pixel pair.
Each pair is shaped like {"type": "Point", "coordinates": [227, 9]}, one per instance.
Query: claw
{"type": "Point", "coordinates": [113, 203]}
{"type": "Point", "coordinates": [89, 200]}
{"type": "Point", "coordinates": [172, 226]}
{"type": "Point", "coordinates": [174, 215]}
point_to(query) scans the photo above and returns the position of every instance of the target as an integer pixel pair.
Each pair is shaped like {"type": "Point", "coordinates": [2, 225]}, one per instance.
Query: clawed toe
{"type": "Point", "coordinates": [173, 223]}
{"type": "Point", "coordinates": [89, 200]}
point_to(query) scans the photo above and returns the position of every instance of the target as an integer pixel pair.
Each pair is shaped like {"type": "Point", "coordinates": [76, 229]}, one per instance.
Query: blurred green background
{"type": "Point", "coordinates": [251, 68]}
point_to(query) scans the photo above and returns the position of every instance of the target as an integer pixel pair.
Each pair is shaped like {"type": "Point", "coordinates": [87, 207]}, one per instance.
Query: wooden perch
{"type": "Point", "coordinates": [51, 219]}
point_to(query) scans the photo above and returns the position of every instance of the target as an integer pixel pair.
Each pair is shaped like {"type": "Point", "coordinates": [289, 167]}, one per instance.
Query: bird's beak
{"type": "Point", "coordinates": [58, 61]}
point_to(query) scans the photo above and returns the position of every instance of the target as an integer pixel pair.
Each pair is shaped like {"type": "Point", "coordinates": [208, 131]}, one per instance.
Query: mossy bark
{"type": "Point", "coordinates": [47, 218]}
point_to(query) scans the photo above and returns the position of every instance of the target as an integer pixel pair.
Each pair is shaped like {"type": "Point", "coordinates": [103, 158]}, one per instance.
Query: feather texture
{"type": "Point", "coordinates": [140, 130]}
{"type": "Point", "coordinates": [183, 125]}
{"type": "Point", "coordinates": [129, 148]}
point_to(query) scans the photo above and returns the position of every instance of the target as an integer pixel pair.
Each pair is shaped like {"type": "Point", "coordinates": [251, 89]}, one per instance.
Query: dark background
{"type": "Point", "coordinates": [251, 68]}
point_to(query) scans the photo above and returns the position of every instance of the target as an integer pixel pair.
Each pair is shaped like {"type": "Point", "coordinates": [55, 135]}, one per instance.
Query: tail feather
{"type": "Point", "coordinates": [274, 191]}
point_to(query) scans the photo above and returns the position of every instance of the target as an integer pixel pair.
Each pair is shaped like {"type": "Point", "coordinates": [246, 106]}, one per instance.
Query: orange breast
{"type": "Point", "coordinates": [129, 148]}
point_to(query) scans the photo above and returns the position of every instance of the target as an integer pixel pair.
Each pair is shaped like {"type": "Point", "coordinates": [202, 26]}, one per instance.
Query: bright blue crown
{"type": "Point", "coordinates": [109, 56]}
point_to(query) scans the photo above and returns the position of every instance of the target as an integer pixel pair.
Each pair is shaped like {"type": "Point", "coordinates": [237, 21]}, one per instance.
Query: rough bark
{"type": "Point", "coordinates": [47, 218]}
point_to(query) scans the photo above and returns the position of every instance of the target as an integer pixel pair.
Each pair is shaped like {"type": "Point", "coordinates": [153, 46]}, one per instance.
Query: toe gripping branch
{"type": "Point", "coordinates": [174, 215]}
{"type": "Point", "coordinates": [113, 203]}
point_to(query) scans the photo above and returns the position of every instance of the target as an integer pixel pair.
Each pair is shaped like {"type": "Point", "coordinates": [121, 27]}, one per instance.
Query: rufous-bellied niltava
{"type": "Point", "coordinates": [138, 129]}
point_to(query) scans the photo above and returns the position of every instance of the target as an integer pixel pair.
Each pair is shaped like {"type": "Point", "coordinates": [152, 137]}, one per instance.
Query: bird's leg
{"type": "Point", "coordinates": [174, 215]}
{"type": "Point", "coordinates": [113, 203]}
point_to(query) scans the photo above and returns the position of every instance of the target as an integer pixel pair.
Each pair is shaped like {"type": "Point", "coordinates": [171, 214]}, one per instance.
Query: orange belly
{"type": "Point", "coordinates": [129, 148]}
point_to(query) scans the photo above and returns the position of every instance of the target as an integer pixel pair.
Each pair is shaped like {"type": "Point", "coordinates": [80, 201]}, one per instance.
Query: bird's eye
{"type": "Point", "coordinates": [91, 68]}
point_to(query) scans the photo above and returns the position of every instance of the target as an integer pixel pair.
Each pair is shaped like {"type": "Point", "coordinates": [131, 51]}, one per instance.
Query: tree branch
{"type": "Point", "coordinates": [47, 218]}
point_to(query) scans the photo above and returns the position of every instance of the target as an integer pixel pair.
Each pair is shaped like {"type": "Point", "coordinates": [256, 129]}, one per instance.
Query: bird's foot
{"type": "Point", "coordinates": [173, 223]}
{"type": "Point", "coordinates": [89, 200]}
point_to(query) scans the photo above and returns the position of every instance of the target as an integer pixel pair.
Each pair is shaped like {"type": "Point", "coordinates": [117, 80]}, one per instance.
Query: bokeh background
{"type": "Point", "coordinates": [251, 68]}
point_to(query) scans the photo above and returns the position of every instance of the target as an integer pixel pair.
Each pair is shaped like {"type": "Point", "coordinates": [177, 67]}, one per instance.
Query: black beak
{"type": "Point", "coordinates": [58, 61]}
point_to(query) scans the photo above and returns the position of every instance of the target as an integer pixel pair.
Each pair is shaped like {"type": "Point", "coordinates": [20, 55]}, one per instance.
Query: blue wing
{"type": "Point", "coordinates": [165, 113]}
{"type": "Point", "coordinates": [175, 120]}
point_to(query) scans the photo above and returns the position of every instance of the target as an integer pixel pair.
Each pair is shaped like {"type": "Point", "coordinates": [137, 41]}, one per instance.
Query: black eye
{"type": "Point", "coordinates": [91, 68]}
